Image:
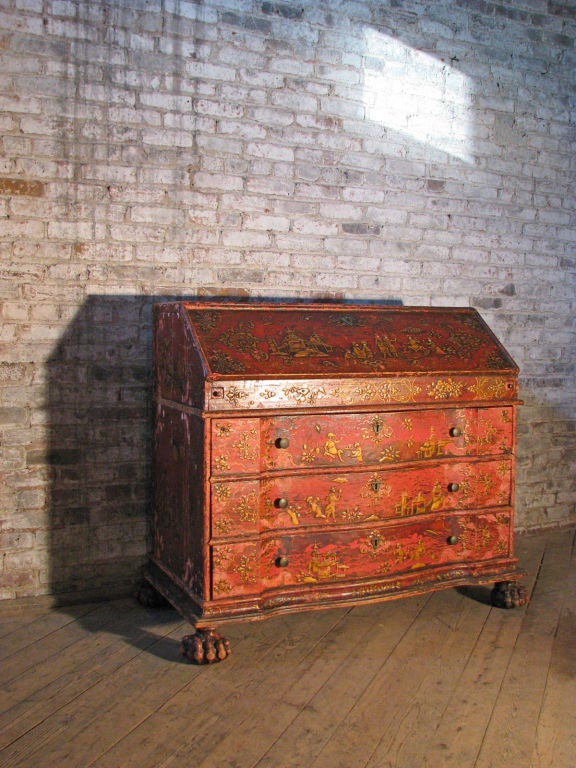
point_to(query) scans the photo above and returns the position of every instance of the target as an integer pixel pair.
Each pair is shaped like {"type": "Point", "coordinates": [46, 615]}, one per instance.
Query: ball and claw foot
{"type": "Point", "coordinates": [205, 647]}
{"type": "Point", "coordinates": [508, 594]}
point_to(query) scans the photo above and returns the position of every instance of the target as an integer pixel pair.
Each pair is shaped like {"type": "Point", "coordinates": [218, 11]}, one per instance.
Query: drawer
{"type": "Point", "coordinates": [235, 446]}
{"type": "Point", "coordinates": [235, 569]}
{"type": "Point", "coordinates": [385, 438]}
{"type": "Point", "coordinates": [235, 507]}
{"type": "Point", "coordinates": [251, 445]}
{"type": "Point", "coordinates": [342, 499]}
{"type": "Point", "coordinates": [317, 558]}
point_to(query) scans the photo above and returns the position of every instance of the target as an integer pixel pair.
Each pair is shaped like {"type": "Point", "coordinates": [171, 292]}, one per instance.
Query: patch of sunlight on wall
{"type": "Point", "coordinates": [417, 95]}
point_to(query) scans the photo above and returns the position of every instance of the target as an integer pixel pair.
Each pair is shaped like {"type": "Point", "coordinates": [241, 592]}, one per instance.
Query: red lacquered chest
{"type": "Point", "coordinates": [307, 456]}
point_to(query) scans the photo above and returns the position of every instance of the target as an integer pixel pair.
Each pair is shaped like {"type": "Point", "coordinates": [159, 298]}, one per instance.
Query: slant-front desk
{"type": "Point", "coordinates": [318, 455]}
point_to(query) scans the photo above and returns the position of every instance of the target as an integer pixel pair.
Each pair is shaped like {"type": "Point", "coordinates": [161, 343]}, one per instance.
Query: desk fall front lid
{"type": "Point", "coordinates": [230, 357]}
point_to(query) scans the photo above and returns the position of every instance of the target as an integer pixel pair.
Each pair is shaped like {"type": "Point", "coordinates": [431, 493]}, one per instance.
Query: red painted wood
{"type": "Point", "coordinates": [316, 455]}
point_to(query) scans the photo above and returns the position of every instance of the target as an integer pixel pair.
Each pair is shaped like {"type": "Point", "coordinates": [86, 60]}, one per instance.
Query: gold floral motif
{"type": "Point", "coordinates": [222, 491]}
{"type": "Point", "coordinates": [220, 555]}
{"type": "Point", "coordinates": [303, 394]}
{"type": "Point", "coordinates": [501, 547]}
{"type": "Point", "coordinates": [475, 537]}
{"type": "Point", "coordinates": [223, 430]}
{"type": "Point", "coordinates": [401, 391]}
{"type": "Point", "coordinates": [246, 509]}
{"type": "Point", "coordinates": [240, 338]}
{"type": "Point", "coordinates": [205, 320]}
{"type": "Point", "coordinates": [485, 484]}
{"type": "Point", "coordinates": [221, 463]}
{"type": "Point", "coordinates": [444, 389]}
{"type": "Point", "coordinates": [244, 448]}
{"type": "Point", "coordinates": [267, 394]}
{"type": "Point", "coordinates": [465, 491]}
{"type": "Point", "coordinates": [245, 569]}
{"type": "Point", "coordinates": [489, 432]}
{"type": "Point", "coordinates": [309, 454]}
{"type": "Point", "coordinates": [222, 587]}
{"type": "Point", "coordinates": [234, 395]}
{"type": "Point", "coordinates": [223, 525]}
{"type": "Point", "coordinates": [488, 388]}
{"type": "Point", "coordinates": [353, 515]}
{"type": "Point", "coordinates": [389, 454]}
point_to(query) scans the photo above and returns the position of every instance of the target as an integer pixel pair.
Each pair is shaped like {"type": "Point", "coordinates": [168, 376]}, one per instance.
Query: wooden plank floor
{"type": "Point", "coordinates": [438, 681]}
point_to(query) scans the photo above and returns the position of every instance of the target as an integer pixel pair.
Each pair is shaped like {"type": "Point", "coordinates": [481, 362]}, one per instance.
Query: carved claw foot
{"type": "Point", "coordinates": [508, 594]}
{"type": "Point", "coordinates": [205, 647]}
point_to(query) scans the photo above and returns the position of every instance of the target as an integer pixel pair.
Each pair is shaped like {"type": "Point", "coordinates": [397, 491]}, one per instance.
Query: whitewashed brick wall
{"type": "Point", "coordinates": [358, 149]}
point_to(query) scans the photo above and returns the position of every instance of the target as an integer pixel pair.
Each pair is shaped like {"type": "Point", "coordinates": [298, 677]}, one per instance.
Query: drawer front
{"type": "Point", "coordinates": [349, 498]}
{"type": "Point", "coordinates": [235, 569]}
{"type": "Point", "coordinates": [250, 445]}
{"type": "Point", "coordinates": [384, 438]}
{"type": "Point", "coordinates": [235, 446]}
{"type": "Point", "coordinates": [384, 550]}
{"type": "Point", "coordinates": [235, 507]}
{"type": "Point", "coordinates": [495, 431]}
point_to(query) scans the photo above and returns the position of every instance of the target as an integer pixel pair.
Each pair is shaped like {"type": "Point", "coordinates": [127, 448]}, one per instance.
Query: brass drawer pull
{"type": "Point", "coordinates": [455, 432]}
{"type": "Point", "coordinates": [282, 442]}
{"type": "Point", "coordinates": [452, 540]}
{"type": "Point", "coordinates": [281, 561]}
{"type": "Point", "coordinates": [453, 487]}
{"type": "Point", "coordinates": [281, 503]}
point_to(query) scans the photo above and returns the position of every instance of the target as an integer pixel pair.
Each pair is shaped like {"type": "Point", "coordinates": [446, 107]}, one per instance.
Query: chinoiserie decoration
{"type": "Point", "coordinates": [308, 456]}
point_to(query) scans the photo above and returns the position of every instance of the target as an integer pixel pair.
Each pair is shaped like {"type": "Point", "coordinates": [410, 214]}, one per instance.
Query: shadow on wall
{"type": "Point", "coordinates": [99, 411]}
{"type": "Point", "coordinates": [100, 427]}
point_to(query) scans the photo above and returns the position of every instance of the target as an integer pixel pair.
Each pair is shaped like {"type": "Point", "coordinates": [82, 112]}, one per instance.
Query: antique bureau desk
{"type": "Point", "coordinates": [308, 456]}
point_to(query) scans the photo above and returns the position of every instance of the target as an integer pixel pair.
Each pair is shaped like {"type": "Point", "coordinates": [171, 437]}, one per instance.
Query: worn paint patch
{"type": "Point", "coordinates": [22, 187]}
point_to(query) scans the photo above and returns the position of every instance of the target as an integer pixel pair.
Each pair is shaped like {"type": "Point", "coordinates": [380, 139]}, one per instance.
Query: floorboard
{"type": "Point", "coordinates": [437, 680]}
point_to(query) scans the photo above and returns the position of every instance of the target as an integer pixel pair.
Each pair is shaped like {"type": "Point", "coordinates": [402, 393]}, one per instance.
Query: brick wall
{"type": "Point", "coordinates": [391, 150]}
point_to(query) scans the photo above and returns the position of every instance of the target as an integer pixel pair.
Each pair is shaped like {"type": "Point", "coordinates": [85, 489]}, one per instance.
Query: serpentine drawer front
{"type": "Point", "coordinates": [307, 456]}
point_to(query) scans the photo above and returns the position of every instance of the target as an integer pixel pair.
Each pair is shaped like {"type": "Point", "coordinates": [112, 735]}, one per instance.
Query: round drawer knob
{"type": "Point", "coordinates": [453, 487]}
{"type": "Point", "coordinates": [452, 540]}
{"type": "Point", "coordinates": [281, 503]}
{"type": "Point", "coordinates": [282, 442]}
{"type": "Point", "coordinates": [282, 561]}
{"type": "Point", "coordinates": [455, 432]}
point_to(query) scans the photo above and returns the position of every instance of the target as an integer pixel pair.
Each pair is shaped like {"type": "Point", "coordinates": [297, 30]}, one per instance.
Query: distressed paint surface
{"type": "Point", "coordinates": [314, 458]}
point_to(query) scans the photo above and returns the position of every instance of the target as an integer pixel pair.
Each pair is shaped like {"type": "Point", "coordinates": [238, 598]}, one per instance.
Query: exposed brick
{"type": "Point", "coordinates": [27, 188]}
{"type": "Point", "coordinates": [272, 148]}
